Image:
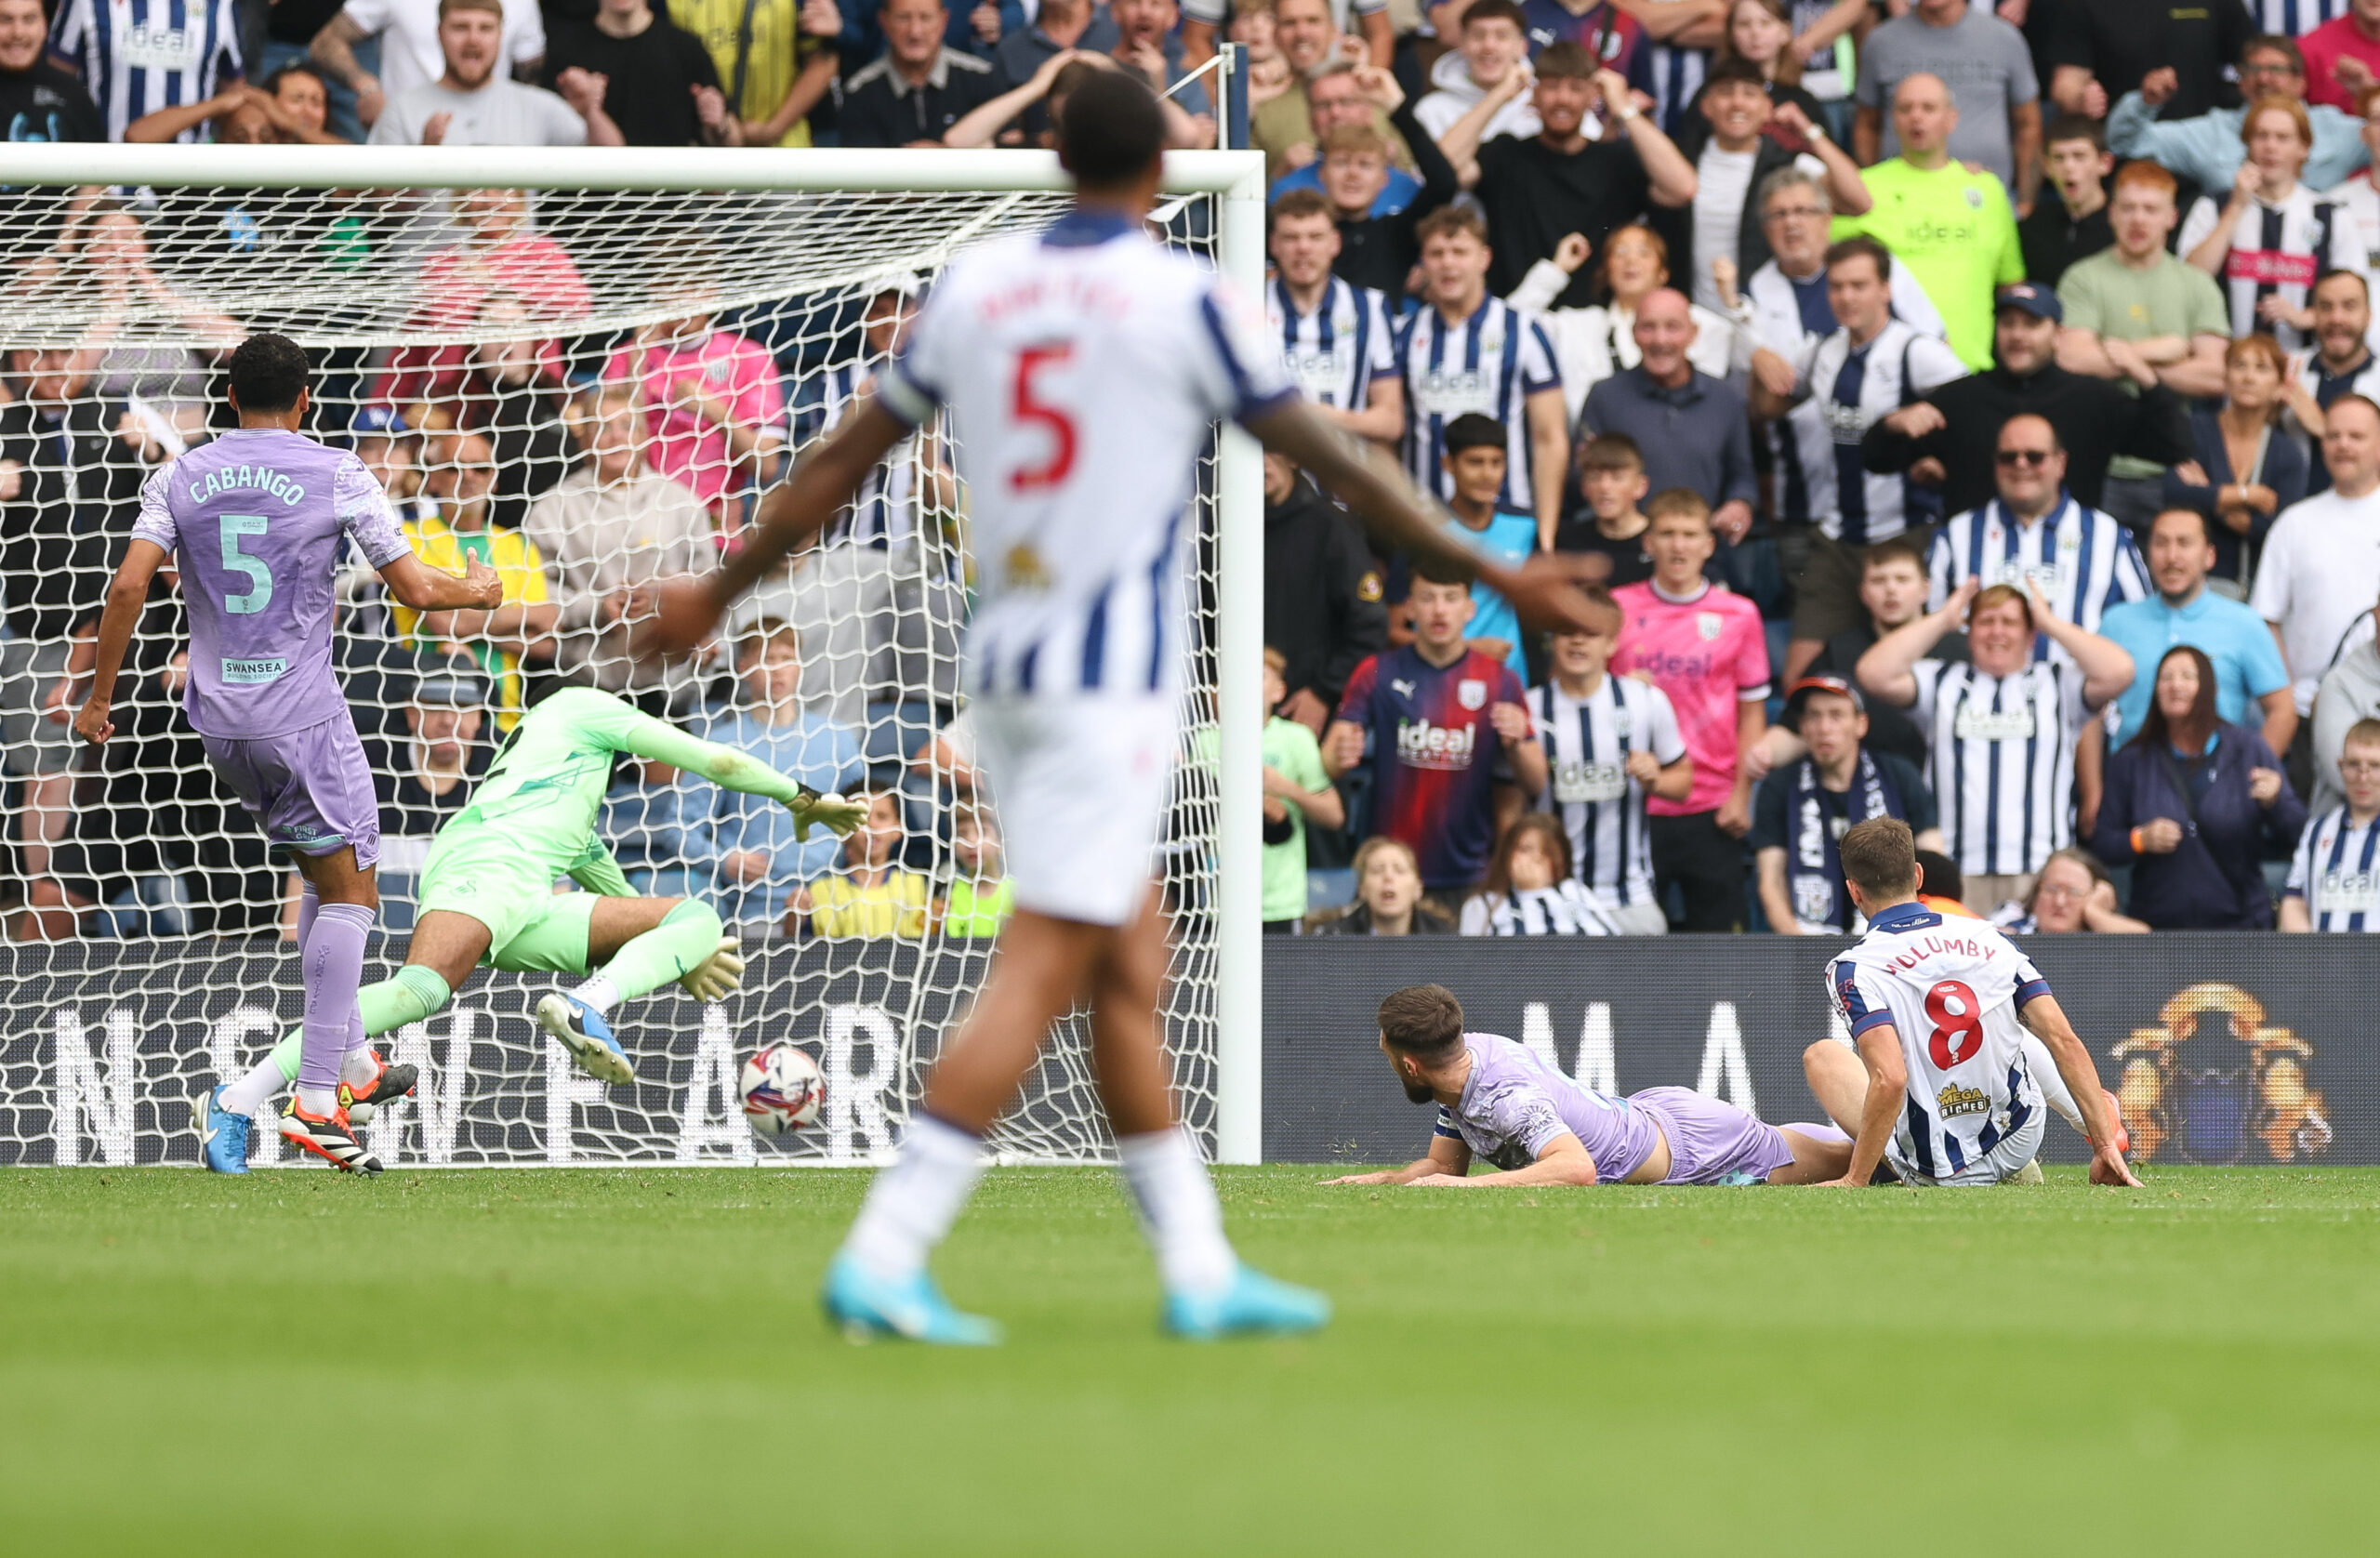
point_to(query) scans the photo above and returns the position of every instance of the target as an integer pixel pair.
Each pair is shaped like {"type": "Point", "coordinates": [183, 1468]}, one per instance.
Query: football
{"type": "Point", "coordinates": [783, 1089]}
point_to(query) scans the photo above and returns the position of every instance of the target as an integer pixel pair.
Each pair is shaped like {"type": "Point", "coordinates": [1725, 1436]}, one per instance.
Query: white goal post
{"type": "Point", "coordinates": [331, 245]}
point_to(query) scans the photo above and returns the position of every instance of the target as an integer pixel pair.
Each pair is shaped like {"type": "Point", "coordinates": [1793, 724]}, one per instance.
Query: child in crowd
{"type": "Point", "coordinates": [873, 897]}
{"type": "Point", "coordinates": [980, 898]}
{"type": "Point", "coordinates": [1530, 892]}
{"type": "Point", "coordinates": [1611, 524]}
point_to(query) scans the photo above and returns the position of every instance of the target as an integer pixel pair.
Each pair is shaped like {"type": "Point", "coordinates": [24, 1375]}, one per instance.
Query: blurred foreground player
{"type": "Point", "coordinates": [487, 901]}
{"type": "Point", "coordinates": [1498, 1101]}
{"type": "Point", "coordinates": [1083, 368]}
{"type": "Point", "coordinates": [254, 521]}
{"type": "Point", "coordinates": [1940, 1010]}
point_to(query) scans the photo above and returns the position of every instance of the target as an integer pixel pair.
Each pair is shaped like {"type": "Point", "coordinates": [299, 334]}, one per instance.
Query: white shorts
{"type": "Point", "coordinates": [1080, 785]}
{"type": "Point", "coordinates": [2007, 1157]}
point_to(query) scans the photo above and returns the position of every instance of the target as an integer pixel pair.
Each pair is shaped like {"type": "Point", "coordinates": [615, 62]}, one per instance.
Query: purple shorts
{"type": "Point", "coordinates": [311, 788]}
{"type": "Point", "coordinates": [1709, 1140]}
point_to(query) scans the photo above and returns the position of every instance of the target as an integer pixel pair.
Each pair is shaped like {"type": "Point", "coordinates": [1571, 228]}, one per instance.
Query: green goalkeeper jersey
{"type": "Point", "coordinates": [544, 790]}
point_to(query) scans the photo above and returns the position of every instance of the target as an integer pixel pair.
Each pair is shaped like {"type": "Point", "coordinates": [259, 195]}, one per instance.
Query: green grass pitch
{"type": "Point", "coordinates": [599, 1362]}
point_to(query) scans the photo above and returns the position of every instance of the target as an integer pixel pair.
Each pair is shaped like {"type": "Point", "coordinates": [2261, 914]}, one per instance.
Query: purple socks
{"type": "Point", "coordinates": [332, 959]}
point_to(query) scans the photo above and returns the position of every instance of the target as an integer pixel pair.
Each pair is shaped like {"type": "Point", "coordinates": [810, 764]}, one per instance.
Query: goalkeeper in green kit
{"type": "Point", "coordinates": [488, 898]}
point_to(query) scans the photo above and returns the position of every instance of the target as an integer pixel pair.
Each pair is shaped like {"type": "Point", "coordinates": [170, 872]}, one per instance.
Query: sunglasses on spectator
{"type": "Point", "coordinates": [1808, 213]}
{"type": "Point", "coordinates": [2271, 67]}
{"type": "Point", "coordinates": [2024, 457]}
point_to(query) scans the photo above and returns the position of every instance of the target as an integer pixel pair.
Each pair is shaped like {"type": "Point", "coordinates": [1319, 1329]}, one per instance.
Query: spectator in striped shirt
{"type": "Point", "coordinates": [1530, 889]}
{"type": "Point", "coordinates": [2269, 236]}
{"type": "Point", "coordinates": [2334, 880]}
{"type": "Point", "coordinates": [135, 56]}
{"type": "Point", "coordinates": [2004, 729]}
{"type": "Point", "coordinates": [1335, 337]}
{"type": "Point", "coordinates": [1610, 742]}
{"type": "Point", "coordinates": [1467, 352]}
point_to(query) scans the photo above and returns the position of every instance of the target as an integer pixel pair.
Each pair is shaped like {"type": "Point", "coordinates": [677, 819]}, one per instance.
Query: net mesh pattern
{"type": "Point", "coordinates": [591, 390]}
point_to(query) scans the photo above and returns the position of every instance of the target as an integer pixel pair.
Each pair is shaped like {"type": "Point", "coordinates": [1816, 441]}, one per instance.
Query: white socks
{"type": "Point", "coordinates": [1178, 1210]}
{"type": "Point", "coordinates": [598, 994]}
{"type": "Point", "coordinates": [251, 1093]}
{"type": "Point", "coordinates": [912, 1205]}
{"type": "Point", "coordinates": [2053, 1085]}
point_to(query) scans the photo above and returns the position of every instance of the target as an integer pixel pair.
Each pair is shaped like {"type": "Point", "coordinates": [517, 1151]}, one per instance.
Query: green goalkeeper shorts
{"type": "Point", "coordinates": [475, 870]}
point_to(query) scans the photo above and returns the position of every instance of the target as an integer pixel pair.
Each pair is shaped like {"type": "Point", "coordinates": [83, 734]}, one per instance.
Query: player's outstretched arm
{"type": "Point", "coordinates": [2047, 1019]}
{"type": "Point", "coordinates": [1544, 589]}
{"type": "Point", "coordinates": [822, 481]}
{"type": "Point", "coordinates": [1448, 1154]}
{"type": "Point", "coordinates": [724, 766]}
{"type": "Point", "coordinates": [1565, 1160]}
{"type": "Point", "coordinates": [420, 588]}
{"type": "Point", "coordinates": [127, 594]}
{"type": "Point", "coordinates": [1887, 1086]}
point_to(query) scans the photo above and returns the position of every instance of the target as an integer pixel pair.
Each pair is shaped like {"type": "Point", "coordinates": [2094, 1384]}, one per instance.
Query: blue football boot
{"type": "Point", "coordinates": [1250, 1304]}
{"type": "Point", "coordinates": [865, 1306]}
{"type": "Point", "coordinates": [587, 1035]}
{"type": "Point", "coordinates": [222, 1136]}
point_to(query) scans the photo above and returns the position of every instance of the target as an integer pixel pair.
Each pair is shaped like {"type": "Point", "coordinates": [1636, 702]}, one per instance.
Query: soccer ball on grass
{"type": "Point", "coordinates": [783, 1089]}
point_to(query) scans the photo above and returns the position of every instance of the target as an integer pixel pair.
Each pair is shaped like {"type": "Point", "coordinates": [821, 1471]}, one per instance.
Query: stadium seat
{"type": "Point", "coordinates": [1329, 889]}
{"type": "Point", "coordinates": [893, 733]}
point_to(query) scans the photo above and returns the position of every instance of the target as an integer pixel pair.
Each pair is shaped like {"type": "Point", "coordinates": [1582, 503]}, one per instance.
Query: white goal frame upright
{"type": "Point", "coordinates": [1235, 179]}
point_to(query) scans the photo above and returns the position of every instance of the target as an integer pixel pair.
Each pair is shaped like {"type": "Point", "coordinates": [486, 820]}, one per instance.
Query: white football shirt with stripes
{"type": "Point", "coordinates": [1952, 990]}
{"type": "Point", "coordinates": [1999, 761]}
{"type": "Point", "coordinates": [2336, 872]}
{"type": "Point", "coordinates": [1489, 363]}
{"type": "Point", "coordinates": [138, 56]}
{"type": "Point", "coordinates": [1336, 352]}
{"type": "Point", "coordinates": [1084, 369]}
{"type": "Point", "coordinates": [1587, 744]}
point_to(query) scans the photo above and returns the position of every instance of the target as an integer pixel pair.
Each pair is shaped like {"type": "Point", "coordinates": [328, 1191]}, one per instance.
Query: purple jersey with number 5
{"type": "Point", "coordinates": [254, 520]}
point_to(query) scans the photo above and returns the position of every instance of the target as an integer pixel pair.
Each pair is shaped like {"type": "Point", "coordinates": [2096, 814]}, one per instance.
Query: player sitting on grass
{"type": "Point", "coordinates": [487, 898]}
{"type": "Point", "coordinates": [1500, 1100]}
{"type": "Point", "coordinates": [1940, 1009]}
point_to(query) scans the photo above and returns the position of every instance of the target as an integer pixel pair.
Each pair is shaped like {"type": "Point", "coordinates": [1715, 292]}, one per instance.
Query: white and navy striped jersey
{"type": "Point", "coordinates": [2294, 19]}
{"type": "Point", "coordinates": [883, 511]}
{"type": "Point", "coordinates": [2359, 205]}
{"type": "Point", "coordinates": [1083, 368]}
{"type": "Point", "coordinates": [138, 56]}
{"type": "Point", "coordinates": [2336, 872]}
{"type": "Point", "coordinates": [2305, 369]}
{"type": "Point", "coordinates": [1490, 362]}
{"type": "Point", "coordinates": [1844, 391]}
{"type": "Point", "coordinates": [2083, 560]}
{"type": "Point", "coordinates": [1565, 909]}
{"type": "Point", "coordinates": [2000, 759]}
{"type": "Point", "coordinates": [1676, 75]}
{"type": "Point", "coordinates": [1587, 742]}
{"type": "Point", "coordinates": [1336, 352]}
{"type": "Point", "coordinates": [1788, 314]}
{"type": "Point", "coordinates": [2276, 251]}
{"type": "Point", "coordinates": [1952, 990]}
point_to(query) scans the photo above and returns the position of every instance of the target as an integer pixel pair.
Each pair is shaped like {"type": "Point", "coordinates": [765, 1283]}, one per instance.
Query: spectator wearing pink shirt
{"type": "Point", "coordinates": [498, 261]}
{"type": "Point", "coordinates": [712, 398]}
{"type": "Point", "coordinates": [1702, 645]}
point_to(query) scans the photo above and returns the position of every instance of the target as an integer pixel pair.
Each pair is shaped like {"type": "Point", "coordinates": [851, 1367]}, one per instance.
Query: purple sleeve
{"type": "Point", "coordinates": [364, 514]}
{"type": "Point", "coordinates": [156, 520]}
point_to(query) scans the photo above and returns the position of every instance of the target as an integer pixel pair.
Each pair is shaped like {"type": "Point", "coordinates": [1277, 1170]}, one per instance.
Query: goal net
{"type": "Point", "coordinates": [585, 368]}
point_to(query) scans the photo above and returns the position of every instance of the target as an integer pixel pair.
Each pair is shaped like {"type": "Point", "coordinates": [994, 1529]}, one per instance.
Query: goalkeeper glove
{"type": "Point", "coordinates": [836, 814]}
{"type": "Point", "coordinates": [717, 976]}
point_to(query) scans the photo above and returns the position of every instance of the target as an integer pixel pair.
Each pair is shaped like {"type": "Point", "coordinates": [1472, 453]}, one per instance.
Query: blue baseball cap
{"type": "Point", "coordinates": [378, 421]}
{"type": "Point", "coordinates": [2034, 299]}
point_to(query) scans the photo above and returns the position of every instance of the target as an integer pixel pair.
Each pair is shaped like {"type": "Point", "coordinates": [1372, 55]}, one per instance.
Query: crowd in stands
{"type": "Point", "coordinates": [1971, 412]}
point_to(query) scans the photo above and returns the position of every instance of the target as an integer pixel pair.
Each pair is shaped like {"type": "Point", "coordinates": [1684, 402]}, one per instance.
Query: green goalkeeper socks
{"type": "Point", "coordinates": [685, 936]}
{"type": "Point", "coordinates": [413, 993]}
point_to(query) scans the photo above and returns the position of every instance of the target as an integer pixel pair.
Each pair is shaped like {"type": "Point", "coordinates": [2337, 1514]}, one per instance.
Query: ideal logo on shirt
{"type": "Point", "coordinates": [1982, 724]}
{"type": "Point", "coordinates": [1420, 743]}
{"type": "Point", "coordinates": [2348, 892]}
{"type": "Point", "coordinates": [1575, 784]}
{"type": "Point", "coordinates": [1452, 391]}
{"type": "Point", "coordinates": [150, 48]}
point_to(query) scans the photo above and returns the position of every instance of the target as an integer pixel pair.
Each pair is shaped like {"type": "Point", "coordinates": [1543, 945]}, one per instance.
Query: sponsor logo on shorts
{"type": "Point", "coordinates": [1954, 1100]}
{"type": "Point", "coordinates": [255, 669]}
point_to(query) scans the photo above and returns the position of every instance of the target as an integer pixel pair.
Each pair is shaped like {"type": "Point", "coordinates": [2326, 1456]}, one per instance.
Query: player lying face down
{"type": "Point", "coordinates": [1500, 1101]}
